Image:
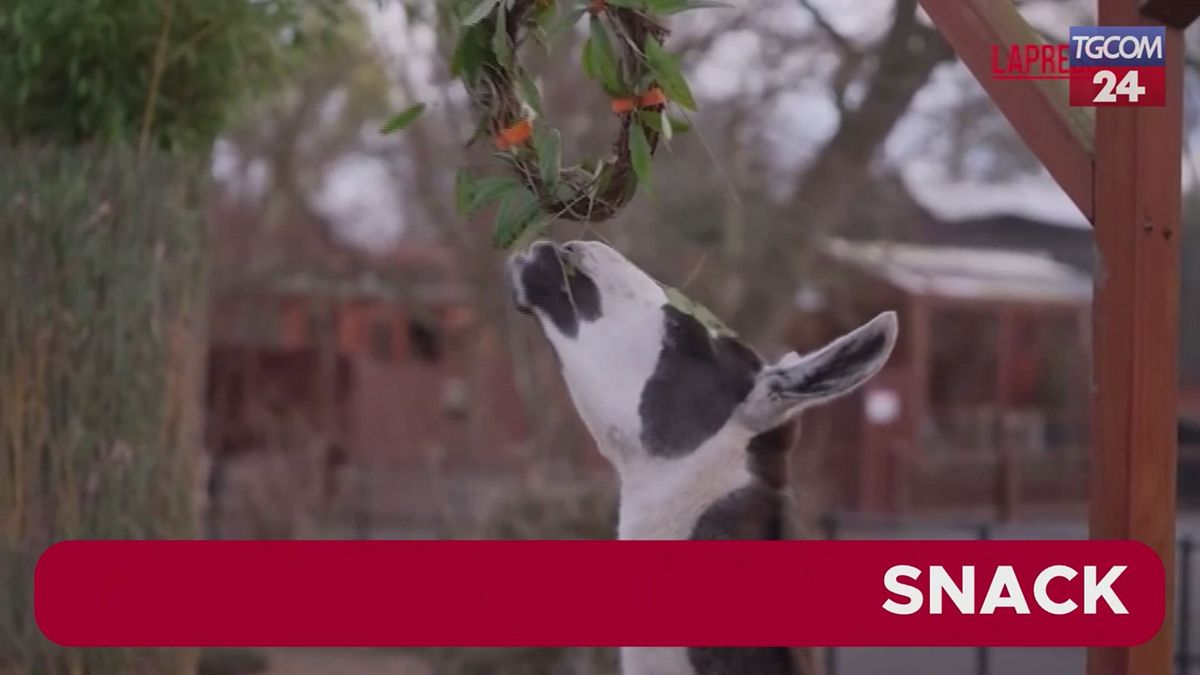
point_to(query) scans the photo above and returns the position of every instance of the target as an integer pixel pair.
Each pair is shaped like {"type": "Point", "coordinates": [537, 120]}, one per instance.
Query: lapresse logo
{"type": "Point", "coordinates": [1118, 66]}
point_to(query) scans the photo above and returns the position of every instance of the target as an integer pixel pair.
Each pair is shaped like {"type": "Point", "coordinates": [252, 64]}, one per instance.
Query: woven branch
{"type": "Point", "coordinates": [579, 194]}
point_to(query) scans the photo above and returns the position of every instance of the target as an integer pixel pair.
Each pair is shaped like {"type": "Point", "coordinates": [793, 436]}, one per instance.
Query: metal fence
{"type": "Point", "coordinates": [842, 526]}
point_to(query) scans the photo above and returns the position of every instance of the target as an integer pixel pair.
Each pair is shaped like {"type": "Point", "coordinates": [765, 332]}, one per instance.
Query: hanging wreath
{"type": "Point", "coordinates": [623, 53]}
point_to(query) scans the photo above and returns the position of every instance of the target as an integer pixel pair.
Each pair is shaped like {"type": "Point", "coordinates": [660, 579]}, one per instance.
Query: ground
{"type": "Point", "coordinates": [344, 662]}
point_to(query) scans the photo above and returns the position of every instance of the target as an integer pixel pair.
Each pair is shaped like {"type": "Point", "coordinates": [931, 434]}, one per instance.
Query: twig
{"type": "Point", "coordinates": [843, 45]}
{"type": "Point", "coordinates": [157, 68]}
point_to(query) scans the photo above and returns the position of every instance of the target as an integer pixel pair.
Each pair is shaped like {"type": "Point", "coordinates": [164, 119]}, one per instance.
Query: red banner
{"type": "Point", "coordinates": [534, 593]}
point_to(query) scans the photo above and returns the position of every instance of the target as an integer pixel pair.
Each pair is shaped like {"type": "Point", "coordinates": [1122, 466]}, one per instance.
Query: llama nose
{"type": "Point", "coordinates": [574, 252]}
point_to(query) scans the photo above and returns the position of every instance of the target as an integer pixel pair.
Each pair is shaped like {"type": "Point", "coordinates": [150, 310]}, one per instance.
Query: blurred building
{"type": "Point", "coordinates": [357, 368]}
{"type": "Point", "coordinates": [357, 381]}
{"type": "Point", "coordinates": [983, 403]}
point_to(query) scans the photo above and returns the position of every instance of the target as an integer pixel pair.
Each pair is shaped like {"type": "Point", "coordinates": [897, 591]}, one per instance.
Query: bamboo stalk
{"type": "Point", "coordinates": [157, 68]}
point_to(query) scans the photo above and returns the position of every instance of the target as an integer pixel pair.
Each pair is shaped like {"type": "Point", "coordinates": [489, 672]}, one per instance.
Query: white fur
{"type": "Point", "coordinates": [655, 661]}
{"type": "Point", "coordinates": [663, 498]}
{"type": "Point", "coordinates": [606, 366]}
{"type": "Point", "coordinates": [765, 408]}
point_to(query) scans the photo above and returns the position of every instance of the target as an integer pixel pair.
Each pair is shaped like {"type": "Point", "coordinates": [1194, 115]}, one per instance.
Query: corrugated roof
{"type": "Point", "coordinates": [967, 273]}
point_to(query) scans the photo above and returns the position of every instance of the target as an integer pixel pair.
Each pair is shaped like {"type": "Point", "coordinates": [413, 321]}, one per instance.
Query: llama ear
{"type": "Point", "coordinates": [797, 382]}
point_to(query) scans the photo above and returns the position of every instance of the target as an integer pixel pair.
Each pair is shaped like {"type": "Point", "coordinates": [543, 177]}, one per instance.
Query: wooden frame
{"type": "Point", "coordinates": [1123, 172]}
{"type": "Point", "coordinates": [1175, 13]}
{"type": "Point", "coordinates": [1060, 136]}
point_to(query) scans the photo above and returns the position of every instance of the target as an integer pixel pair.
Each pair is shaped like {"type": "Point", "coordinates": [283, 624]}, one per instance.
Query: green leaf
{"type": "Point", "coordinates": [489, 190]}
{"type": "Point", "coordinates": [501, 43]}
{"type": "Point", "coordinates": [588, 61]}
{"type": "Point", "coordinates": [670, 77]}
{"type": "Point", "coordinates": [518, 210]}
{"type": "Point", "coordinates": [678, 300]}
{"type": "Point", "coordinates": [405, 118]}
{"type": "Point", "coordinates": [529, 92]}
{"type": "Point", "coordinates": [481, 12]}
{"type": "Point", "coordinates": [680, 125]}
{"type": "Point", "coordinates": [676, 6]}
{"type": "Point", "coordinates": [564, 22]}
{"type": "Point", "coordinates": [468, 55]}
{"type": "Point", "coordinates": [532, 231]}
{"type": "Point", "coordinates": [543, 14]}
{"type": "Point", "coordinates": [548, 144]}
{"type": "Point", "coordinates": [629, 4]}
{"type": "Point", "coordinates": [464, 191]}
{"type": "Point", "coordinates": [640, 154]}
{"type": "Point", "coordinates": [659, 121]}
{"type": "Point", "coordinates": [604, 59]}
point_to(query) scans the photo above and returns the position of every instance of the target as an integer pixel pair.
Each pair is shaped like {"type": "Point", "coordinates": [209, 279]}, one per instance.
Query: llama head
{"type": "Point", "coordinates": [653, 381]}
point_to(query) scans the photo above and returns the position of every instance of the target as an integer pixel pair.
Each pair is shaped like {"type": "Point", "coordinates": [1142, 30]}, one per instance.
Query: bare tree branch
{"type": "Point", "coordinates": [904, 59]}
{"type": "Point", "coordinates": [840, 41]}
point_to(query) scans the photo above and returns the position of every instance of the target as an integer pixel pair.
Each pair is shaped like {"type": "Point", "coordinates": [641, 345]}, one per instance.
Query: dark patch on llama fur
{"type": "Point", "coordinates": [566, 296]}
{"type": "Point", "coordinates": [742, 660]}
{"type": "Point", "coordinates": [768, 454]}
{"type": "Point", "coordinates": [756, 511]}
{"type": "Point", "coordinates": [832, 374]}
{"type": "Point", "coordinates": [697, 384]}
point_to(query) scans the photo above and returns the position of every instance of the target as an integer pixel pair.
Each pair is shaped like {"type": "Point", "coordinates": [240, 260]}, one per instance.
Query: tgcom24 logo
{"type": "Point", "coordinates": [1106, 65]}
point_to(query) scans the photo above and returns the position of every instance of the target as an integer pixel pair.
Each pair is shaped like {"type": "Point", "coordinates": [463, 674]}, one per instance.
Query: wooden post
{"type": "Point", "coordinates": [1135, 333]}
{"type": "Point", "coordinates": [1177, 13]}
{"type": "Point", "coordinates": [1060, 136]}
{"type": "Point", "coordinates": [1134, 202]}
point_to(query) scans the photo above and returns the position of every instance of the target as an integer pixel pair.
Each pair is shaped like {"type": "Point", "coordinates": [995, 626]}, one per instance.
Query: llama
{"type": "Point", "coordinates": [696, 425]}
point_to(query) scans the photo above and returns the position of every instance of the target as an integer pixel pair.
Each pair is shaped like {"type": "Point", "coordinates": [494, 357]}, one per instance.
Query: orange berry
{"type": "Point", "coordinates": [623, 105]}
{"type": "Point", "coordinates": [514, 135]}
{"type": "Point", "coordinates": [653, 98]}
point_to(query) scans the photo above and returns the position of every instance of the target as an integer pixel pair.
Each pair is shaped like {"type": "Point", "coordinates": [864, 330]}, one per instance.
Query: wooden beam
{"type": "Point", "coordinates": [1175, 13]}
{"type": "Point", "coordinates": [1061, 136]}
{"type": "Point", "coordinates": [1135, 334]}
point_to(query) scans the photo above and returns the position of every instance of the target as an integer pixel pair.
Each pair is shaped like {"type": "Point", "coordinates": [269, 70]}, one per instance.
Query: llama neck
{"type": "Point", "coordinates": [728, 490]}
{"type": "Point", "coordinates": [665, 498]}
{"type": "Point", "coordinates": [731, 487]}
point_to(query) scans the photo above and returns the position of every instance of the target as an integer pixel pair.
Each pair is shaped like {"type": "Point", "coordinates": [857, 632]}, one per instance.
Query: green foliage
{"type": "Point", "coordinates": [402, 120]}
{"type": "Point", "coordinates": [665, 124]}
{"type": "Point", "coordinates": [640, 153]}
{"type": "Point", "coordinates": [502, 47]}
{"type": "Point", "coordinates": [519, 211]}
{"type": "Point", "coordinates": [666, 68]}
{"type": "Point", "coordinates": [704, 315]}
{"type": "Point", "coordinates": [146, 72]}
{"type": "Point", "coordinates": [478, 194]}
{"type": "Point", "coordinates": [468, 55]}
{"type": "Point", "coordinates": [603, 64]}
{"type": "Point", "coordinates": [101, 286]}
{"type": "Point", "coordinates": [480, 12]}
{"type": "Point", "coordinates": [548, 144]}
{"type": "Point", "coordinates": [529, 92]}
{"type": "Point", "coordinates": [623, 53]}
{"type": "Point", "coordinates": [677, 6]}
